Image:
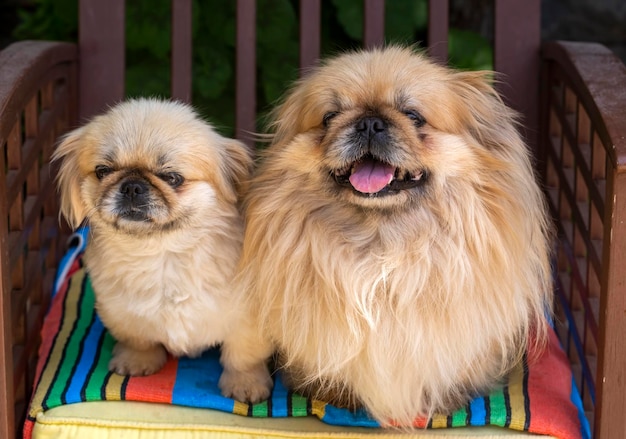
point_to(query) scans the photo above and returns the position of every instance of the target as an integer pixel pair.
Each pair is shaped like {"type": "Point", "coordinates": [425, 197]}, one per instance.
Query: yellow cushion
{"type": "Point", "coordinates": [138, 420]}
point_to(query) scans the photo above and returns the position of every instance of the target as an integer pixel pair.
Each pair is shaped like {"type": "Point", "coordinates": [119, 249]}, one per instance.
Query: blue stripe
{"type": "Point", "coordinates": [85, 363]}
{"type": "Point", "coordinates": [337, 416]}
{"type": "Point", "coordinates": [478, 411]}
{"type": "Point", "coordinates": [280, 396]}
{"type": "Point", "coordinates": [576, 399]}
{"type": "Point", "coordinates": [78, 242]}
{"type": "Point", "coordinates": [196, 383]}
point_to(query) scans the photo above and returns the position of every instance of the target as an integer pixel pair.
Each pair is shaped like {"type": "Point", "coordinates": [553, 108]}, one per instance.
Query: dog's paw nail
{"type": "Point", "coordinates": [128, 361]}
{"type": "Point", "coordinates": [251, 387]}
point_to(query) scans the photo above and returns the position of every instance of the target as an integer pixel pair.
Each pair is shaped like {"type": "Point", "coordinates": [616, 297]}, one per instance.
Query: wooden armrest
{"type": "Point", "coordinates": [24, 68]}
{"type": "Point", "coordinates": [37, 104]}
{"type": "Point", "coordinates": [599, 78]}
{"type": "Point", "coordinates": [583, 141]}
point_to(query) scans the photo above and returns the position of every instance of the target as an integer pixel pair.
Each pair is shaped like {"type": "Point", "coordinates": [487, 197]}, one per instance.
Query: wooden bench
{"type": "Point", "coordinates": [572, 97]}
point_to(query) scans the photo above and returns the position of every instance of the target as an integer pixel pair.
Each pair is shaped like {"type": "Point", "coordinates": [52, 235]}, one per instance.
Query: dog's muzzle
{"type": "Point", "coordinates": [133, 200]}
{"type": "Point", "coordinates": [371, 172]}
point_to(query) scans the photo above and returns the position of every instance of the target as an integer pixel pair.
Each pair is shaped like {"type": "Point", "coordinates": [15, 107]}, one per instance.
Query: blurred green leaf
{"type": "Point", "coordinates": [211, 72]}
{"type": "Point", "coordinates": [213, 32]}
{"type": "Point", "coordinates": [350, 16]}
{"type": "Point", "coordinates": [214, 23]}
{"type": "Point", "coordinates": [148, 27]}
{"type": "Point", "coordinates": [147, 48]}
{"type": "Point", "coordinates": [469, 50]}
{"type": "Point", "coordinates": [148, 78]}
{"type": "Point", "coordinates": [404, 19]}
{"type": "Point", "coordinates": [49, 20]}
{"type": "Point", "coordinates": [277, 47]}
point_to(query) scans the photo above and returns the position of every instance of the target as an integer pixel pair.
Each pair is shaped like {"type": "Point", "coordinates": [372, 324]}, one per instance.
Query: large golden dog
{"type": "Point", "coordinates": [397, 243]}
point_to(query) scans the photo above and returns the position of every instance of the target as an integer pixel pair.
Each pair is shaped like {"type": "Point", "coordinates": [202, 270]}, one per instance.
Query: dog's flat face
{"type": "Point", "coordinates": [131, 195]}
{"type": "Point", "coordinates": [390, 126]}
{"type": "Point", "coordinates": [147, 166]}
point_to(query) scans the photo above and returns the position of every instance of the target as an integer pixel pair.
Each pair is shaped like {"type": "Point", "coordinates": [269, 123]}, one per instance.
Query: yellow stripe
{"type": "Point", "coordinates": [516, 398]}
{"type": "Point", "coordinates": [114, 387]}
{"type": "Point", "coordinates": [318, 408]}
{"type": "Point", "coordinates": [240, 408]}
{"type": "Point", "coordinates": [69, 314]}
{"type": "Point", "coordinates": [440, 421]}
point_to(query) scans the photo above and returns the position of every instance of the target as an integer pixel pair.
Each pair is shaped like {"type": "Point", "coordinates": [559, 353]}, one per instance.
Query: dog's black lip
{"type": "Point", "coordinates": [134, 215]}
{"type": "Point", "coordinates": [406, 181]}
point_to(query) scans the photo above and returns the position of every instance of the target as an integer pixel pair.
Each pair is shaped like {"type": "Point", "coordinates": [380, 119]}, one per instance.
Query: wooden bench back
{"type": "Point", "coordinates": [102, 48]}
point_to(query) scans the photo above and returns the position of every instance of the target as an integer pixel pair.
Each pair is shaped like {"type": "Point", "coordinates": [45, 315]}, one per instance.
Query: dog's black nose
{"type": "Point", "coordinates": [371, 126]}
{"type": "Point", "coordinates": [372, 135]}
{"type": "Point", "coordinates": [134, 189]}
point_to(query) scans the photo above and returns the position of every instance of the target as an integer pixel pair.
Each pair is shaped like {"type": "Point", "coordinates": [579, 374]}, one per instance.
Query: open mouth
{"type": "Point", "coordinates": [369, 176]}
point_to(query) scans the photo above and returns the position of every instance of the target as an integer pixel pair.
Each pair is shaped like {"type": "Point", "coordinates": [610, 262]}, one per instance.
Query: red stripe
{"type": "Point", "coordinates": [52, 322]}
{"type": "Point", "coordinates": [549, 390]}
{"type": "Point", "coordinates": [154, 388]}
{"type": "Point", "coordinates": [28, 429]}
{"type": "Point", "coordinates": [420, 423]}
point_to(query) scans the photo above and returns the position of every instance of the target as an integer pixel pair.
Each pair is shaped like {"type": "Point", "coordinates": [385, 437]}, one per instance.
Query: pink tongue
{"type": "Point", "coordinates": [371, 176]}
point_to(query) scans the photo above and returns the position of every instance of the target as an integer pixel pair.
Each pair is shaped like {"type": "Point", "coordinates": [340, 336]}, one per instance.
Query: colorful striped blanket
{"type": "Point", "coordinates": [76, 349]}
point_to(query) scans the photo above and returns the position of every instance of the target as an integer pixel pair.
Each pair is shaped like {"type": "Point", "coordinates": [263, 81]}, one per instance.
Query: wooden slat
{"type": "Point", "coordinates": [517, 36]}
{"type": "Point", "coordinates": [610, 401]}
{"type": "Point", "coordinates": [309, 32]}
{"type": "Point", "coordinates": [245, 95]}
{"type": "Point", "coordinates": [7, 424]}
{"type": "Point", "coordinates": [18, 239]}
{"type": "Point", "coordinates": [102, 55]}
{"type": "Point", "coordinates": [438, 20]}
{"type": "Point", "coordinates": [45, 125]}
{"type": "Point", "coordinates": [30, 118]}
{"type": "Point", "coordinates": [374, 23]}
{"type": "Point", "coordinates": [181, 50]}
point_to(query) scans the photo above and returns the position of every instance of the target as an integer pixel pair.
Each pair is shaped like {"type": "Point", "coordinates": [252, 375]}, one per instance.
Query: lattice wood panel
{"type": "Point", "coordinates": [575, 178]}
{"type": "Point", "coordinates": [34, 119]}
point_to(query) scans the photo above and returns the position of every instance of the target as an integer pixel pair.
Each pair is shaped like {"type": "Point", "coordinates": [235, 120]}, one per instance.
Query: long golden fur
{"type": "Point", "coordinates": [159, 189]}
{"type": "Point", "coordinates": [396, 243]}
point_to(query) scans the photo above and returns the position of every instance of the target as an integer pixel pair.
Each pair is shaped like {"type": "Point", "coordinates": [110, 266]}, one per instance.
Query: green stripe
{"type": "Point", "coordinates": [498, 408]}
{"type": "Point", "coordinates": [72, 349]}
{"type": "Point", "coordinates": [97, 380]}
{"type": "Point", "coordinates": [260, 410]}
{"type": "Point", "coordinates": [459, 418]}
{"type": "Point", "coordinates": [299, 405]}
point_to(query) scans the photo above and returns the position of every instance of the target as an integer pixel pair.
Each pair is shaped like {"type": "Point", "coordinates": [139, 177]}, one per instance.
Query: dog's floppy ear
{"type": "Point", "coordinates": [69, 177]}
{"type": "Point", "coordinates": [286, 119]}
{"type": "Point", "coordinates": [238, 161]}
{"type": "Point", "coordinates": [490, 121]}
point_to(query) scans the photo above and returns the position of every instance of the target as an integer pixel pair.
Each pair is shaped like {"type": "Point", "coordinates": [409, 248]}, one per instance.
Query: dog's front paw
{"type": "Point", "coordinates": [130, 361]}
{"type": "Point", "coordinates": [252, 386]}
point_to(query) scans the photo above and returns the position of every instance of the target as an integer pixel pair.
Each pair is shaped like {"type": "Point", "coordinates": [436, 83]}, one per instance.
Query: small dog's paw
{"type": "Point", "coordinates": [129, 361]}
{"type": "Point", "coordinates": [250, 386]}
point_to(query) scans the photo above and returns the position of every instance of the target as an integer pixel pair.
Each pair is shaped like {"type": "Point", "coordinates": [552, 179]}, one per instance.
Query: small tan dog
{"type": "Point", "coordinates": [159, 190]}
{"type": "Point", "coordinates": [396, 243]}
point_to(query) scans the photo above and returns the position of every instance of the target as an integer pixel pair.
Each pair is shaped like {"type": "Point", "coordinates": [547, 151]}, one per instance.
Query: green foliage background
{"type": "Point", "coordinates": [148, 44]}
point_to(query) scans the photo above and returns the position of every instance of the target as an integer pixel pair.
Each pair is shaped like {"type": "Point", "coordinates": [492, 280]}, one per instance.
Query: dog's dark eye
{"type": "Point", "coordinates": [174, 179]}
{"type": "Point", "coordinates": [102, 171]}
{"type": "Point", "coordinates": [416, 117]}
{"type": "Point", "coordinates": [327, 117]}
